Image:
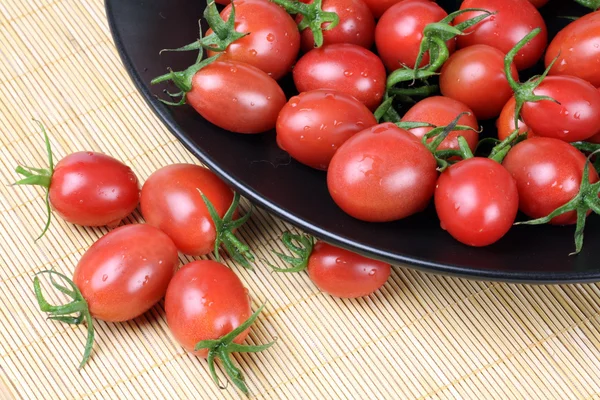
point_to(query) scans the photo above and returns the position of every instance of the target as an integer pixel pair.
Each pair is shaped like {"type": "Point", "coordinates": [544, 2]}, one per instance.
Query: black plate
{"type": "Point", "coordinates": [259, 170]}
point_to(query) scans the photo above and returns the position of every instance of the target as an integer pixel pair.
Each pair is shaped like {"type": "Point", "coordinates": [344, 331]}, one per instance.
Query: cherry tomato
{"type": "Point", "coordinates": [538, 3]}
{"type": "Point", "coordinates": [342, 273]}
{"type": "Point", "coordinates": [505, 124]}
{"type": "Point", "coordinates": [236, 96]}
{"type": "Point", "coordinates": [441, 111]}
{"type": "Point", "coordinates": [513, 20]}
{"type": "Point", "coordinates": [205, 301]}
{"type": "Point", "coordinates": [378, 7]}
{"type": "Point", "coordinates": [578, 49]}
{"type": "Point", "coordinates": [126, 272]}
{"type": "Point", "coordinates": [381, 174]}
{"type": "Point", "coordinates": [400, 30]}
{"type": "Point", "coordinates": [171, 201]}
{"type": "Point", "coordinates": [357, 25]}
{"type": "Point", "coordinates": [577, 117]}
{"type": "Point", "coordinates": [343, 67]}
{"type": "Point", "coordinates": [477, 201]}
{"type": "Point", "coordinates": [475, 77]}
{"type": "Point", "coordinates": [548, 174]}
{"type": "Point", "coordinates": [313, 125]}
{"type": "Point", "coordinates": [271, 47]}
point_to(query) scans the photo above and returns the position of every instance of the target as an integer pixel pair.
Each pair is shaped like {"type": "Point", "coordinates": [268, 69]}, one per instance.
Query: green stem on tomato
{"type": "Point", "coordinates": [300, 245]}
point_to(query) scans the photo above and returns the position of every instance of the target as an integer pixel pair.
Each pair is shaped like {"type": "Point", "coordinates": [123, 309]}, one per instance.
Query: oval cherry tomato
{"type": "Point", "coordinates": [548, 174]}
{"type": "Point", "coordinates": [577, 117]}
{"type": "Point", "coordinates": [236, 96]}
{"type": "Point", "coordinates": [378, 7]}
{"type": "Point", "coordinates": [313, 125]}
{"type": "Point", "coordinates": [342, 273]}
{"type": "Point", "coordinates": [126, 272]}
{"type": "Point", "coordinates": [400, 30]}
{"type": "Point", "coordinates": [578, 49]}
{"type": "Point", "coordinates": [513, 20]}
{"type": "Point", "coordinates": [271, 47]}
{"type": "Point", "coordinates": [357, 25]}
{"type": "Point", "coordinates": [343, 67]}
{"type": "Point", "coordinates": [477, 201]}
{"type": "Point", "coordinates": [205, 301]}
{"type": "Point", "coordinates": [505, 124]}
{"type": "Point", "coordinates": [171, 201]}
{"type": "Point", "coordinates": [381, 174]}
{"type": "Point", "coordinates": [440, 111]}
{"type": "Point", "coordinates": [475, 77]}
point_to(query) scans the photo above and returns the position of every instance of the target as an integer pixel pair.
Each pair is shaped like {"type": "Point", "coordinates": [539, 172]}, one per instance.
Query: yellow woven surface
{"type": "Point", "coordinates": [421, 336]}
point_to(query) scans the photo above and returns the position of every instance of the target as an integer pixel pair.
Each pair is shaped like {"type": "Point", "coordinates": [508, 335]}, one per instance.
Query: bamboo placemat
{"type": "Point", "coordinates": [422, 336]}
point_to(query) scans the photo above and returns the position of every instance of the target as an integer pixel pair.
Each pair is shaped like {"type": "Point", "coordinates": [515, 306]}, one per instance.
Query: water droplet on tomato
{"type": "Point", "coordinates": [330, 96]}
{"type": "Point", "coordinates": [234, 99]}
{"type": "Point", "coordinates": [253, 52]}
{"type": "Point", "coordinates": [294, 102]}
{"type": "Point", "coordinates": [322, 128]}
{"type": "Point", "coordinates": [306, 127]}
{"type": "Point", "coordinates": [337, 123]}
{"type": "Point", "coordinates": [360, 124]}
{"type": "Point", "coordinates": [340, 261]}
{"type": "Point", "coordinates": [364, 73]}
{"type": "Point", "coordinates": [348, 73]}
{"type": "Point", "coordinates": [160, 262]}
{"type": "Point", "coordinates": [233, 69]}
{"type": "Point", "coordinates": [268, 97]}
{"type": "Point", "coordinates": [301, 137]}
{"type": "Point", "coordinates": [90, 153]}
{"type": "Point", "coordinates": [210, 303]}
{"type": "Point", "coordinates": [271, 37]}
{"type": "Point", "coordinates": [146, 279]}
{"type": "Point", "coordinates": [104, 278]}
{"type": "Point", "coordinates": [566, 132]}
{"type": "Point", "coordinates": [562, 65]}
{"type": "Point", "coordinates": [251, 104]}
{"type": "Point", "coordinates": [372, 272]}
{"type": "Point", "coordinates": [577, 115]}
{"type": "Point", "coordinates": [456, 206]}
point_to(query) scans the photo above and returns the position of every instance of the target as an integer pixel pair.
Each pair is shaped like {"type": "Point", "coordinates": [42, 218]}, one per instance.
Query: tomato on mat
{"type": "Point", "coordinates": [312, 126]}
{"type": "Point", "coordinates": [505, 124]}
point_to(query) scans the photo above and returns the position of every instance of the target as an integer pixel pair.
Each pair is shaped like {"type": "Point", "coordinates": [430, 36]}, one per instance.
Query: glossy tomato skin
{"type": "Point", "coordinates": [93, 189]}
{"type": "Point", "coordinates": [400, 30]}
{"type": "Point", "coordinates": [205, 301]}
{"type": "Point", "coordinates": [382, 174]}
{"type": "Point", "coordinates": [357, 24]}
{"type": "Point", "coordinates": [477, 201]}
{"type": "Point", "coordinates": [440, 111]}
{"type": "Point", "coordinates": [312, 126]}
{"type": "Point", "coordinates": [126, 272]}
{"type": "Point", "coordinates": [513, 20]}
{"type": "Point", "coordinates": [344, 67]}
{"type": "Point", "coordinates": [548, 173]}
{"type": "Point", "coordinates": [577, 47]}
{"type": "Point", "coordinates": [342, 273]}
{"type": "Point", "coordinates": [475, 77]}
{"type": "Point", "coordinates": [577, 117]}
{"type": "Point", "coordinates": [236, 96]}
{"type": "Point", "coordinates": [171, 201]}
{"type": "Point", "coordinates": [271, 47]}
{"type": "Point", "coordinates": [505, 124]}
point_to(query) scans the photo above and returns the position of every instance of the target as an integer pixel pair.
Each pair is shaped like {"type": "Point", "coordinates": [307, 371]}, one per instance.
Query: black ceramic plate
{"type": "Point", "coordinates": [259, 170]}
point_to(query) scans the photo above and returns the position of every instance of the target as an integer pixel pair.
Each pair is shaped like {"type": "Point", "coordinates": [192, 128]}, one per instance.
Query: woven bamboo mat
{"type": "Point", "coordinates": [422, 336]}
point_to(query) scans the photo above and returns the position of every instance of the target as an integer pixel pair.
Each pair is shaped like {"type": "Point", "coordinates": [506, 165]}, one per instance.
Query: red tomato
{"type": "Point", "coordinates": [400, 30]}
{"type": "Point", "coordinates": [513, 20]}
{"type": "Point", "coordinates": [577, 117]}
{"type": "Point", "coordinates": [205, 301]}
{"type": "Point", "coordinates": [171, 201]}
{"type": "Point", "coordinates": [126, 272]}
{"type": "Point", "coordinates": [270, 47]}
{"type": "Point", "coordinates": [381, 174]}
{"type": "Point", "coordinates": [236, 96]}
{"type": "Point", "coordinates": [578, 49]}
{"type": "Point", "coordinates": [475, 76]}
{"type": "Point", "coordinates": [505, 124]}
{"type": "Point", "coordinates": [378, 7]}
{"type": "Point", "coordinates": [548, 174]}
{"type": "Point", "coordinates": [93, 189]}
{"type": "Point", "coordinates": [477, 201]}
{"type": "Point", "coordinates": [357, 25]}
{"type": "Point", "coordinates": [343, 67]}
{"type": "Point", "coordinates": [224, 2]}
{"type": "Point", "coordinates": [342, 273]}
{"type": "Point", "coordinates": [440, 111]}
{"type": "Point", "coordinates": [538, 3]}
{"type": "Point", "coordinates": [313, 125]}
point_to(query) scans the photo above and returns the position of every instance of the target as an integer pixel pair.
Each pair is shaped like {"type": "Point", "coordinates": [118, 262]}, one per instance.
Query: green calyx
{"type": "Point", "coordinates": [313, 17]}
{"type": "Point", "coordinates": [586, 200]}
{"type": "Point", "coordinates": [300, 245]}
{"type": "Point", "coordinates": [39, 177]}
{"type": "Point", "coordinates": [225, 235]}
{"type": "Point", "coordinates": [592, 4]}
{"type": "Point", "coordinates": [224, 346]}
{"type": "Point", "coordinates": [73, 313]}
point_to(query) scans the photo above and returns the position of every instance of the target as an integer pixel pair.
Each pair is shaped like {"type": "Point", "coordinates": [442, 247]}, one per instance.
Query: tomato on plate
{"type": "Point", "coordinates": [477, 201]}
{"type": "Point", "coordinates": [577, 47]}
{"type": "Point", "coordinates": [313, 125]}
{"type": "Point", "coordinates": [475, 76]}
{"type": "Point", "coordinates": [513, 20]}
{"type": "Point", "coordinates": [271, 47]}
{"type": "Point", "coordinates": [344, 67]}
{"type": "Point", "coordinates": [381, 174]}
{"type": "Point", "coordinates": [505, 124]}
{"type": "Point", "coordinates": [441, 111]}
{"type": "Point", "coordinates": [399, 32]}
